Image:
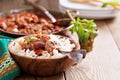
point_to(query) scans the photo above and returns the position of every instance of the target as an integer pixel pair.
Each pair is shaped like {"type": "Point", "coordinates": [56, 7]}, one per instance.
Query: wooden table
{"type": "Point", "coordinates": [103, 63]}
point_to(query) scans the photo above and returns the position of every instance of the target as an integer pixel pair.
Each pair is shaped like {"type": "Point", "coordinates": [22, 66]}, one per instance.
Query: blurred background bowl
{"type": "Point", "coordinates": [56, 14]}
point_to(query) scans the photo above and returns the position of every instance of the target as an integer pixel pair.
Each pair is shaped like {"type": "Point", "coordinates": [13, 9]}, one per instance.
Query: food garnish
{"type": "Point", "coordinates": [86, 31]}
{"type": "Point", "coordinates": [30, 40]}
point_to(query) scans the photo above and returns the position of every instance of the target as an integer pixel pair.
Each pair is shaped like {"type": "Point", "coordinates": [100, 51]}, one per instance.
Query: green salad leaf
{"type": "Point", "coordinates": [112, 3]}
{"type": "Point", "coordinates": [84, 28]}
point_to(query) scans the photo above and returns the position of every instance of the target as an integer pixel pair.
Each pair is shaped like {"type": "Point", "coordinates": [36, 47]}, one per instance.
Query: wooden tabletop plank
{"type": "Point", "coordinates": [10, 4]}
{"type": "Point", "coordinates": [100, 64]}
{"type": "Point", "coordinates": [114, 26]}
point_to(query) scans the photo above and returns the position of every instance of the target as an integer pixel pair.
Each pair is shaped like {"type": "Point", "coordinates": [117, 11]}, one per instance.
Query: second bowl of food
{"type": "Point", "coordinates": [21, 22]}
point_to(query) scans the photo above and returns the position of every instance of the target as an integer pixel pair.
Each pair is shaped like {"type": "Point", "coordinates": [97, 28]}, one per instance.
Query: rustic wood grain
{"type": "Point", "coordinates": [100, 64]}
{"type": "Point", "coordinates": [10, 4]}
{"type": "Point", "coordinates": [114, 27]}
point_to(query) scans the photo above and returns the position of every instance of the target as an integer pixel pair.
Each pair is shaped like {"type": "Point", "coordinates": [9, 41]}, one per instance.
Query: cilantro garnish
{"type": "Point", "coordinates": [84, 28]}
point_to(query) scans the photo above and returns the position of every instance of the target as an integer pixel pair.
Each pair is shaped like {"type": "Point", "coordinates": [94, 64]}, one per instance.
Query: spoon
{"type": "Point", "coordinates": [72, 14]}
{"type": "Point", "coordinates": [41, 8]}
{"type": "Point", "coordinates": [59, 22]}
{"type": "Point", "coordinates": [79, 54]}
{"type": "Point", "coordinates": [76, 55]}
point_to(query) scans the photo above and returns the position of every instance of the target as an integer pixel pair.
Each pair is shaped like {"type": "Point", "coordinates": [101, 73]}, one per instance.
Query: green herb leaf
{"type": "Point", "coordinates": [84, 28]}
{"type": "Point", "coordinates": [30, 40]}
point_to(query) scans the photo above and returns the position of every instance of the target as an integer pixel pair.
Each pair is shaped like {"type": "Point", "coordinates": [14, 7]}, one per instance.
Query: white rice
{"type": "Point", "coordinates": [63, 44]}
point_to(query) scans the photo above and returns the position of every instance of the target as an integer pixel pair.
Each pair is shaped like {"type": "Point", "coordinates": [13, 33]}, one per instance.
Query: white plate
{"type": "Point", "coordinates": [88, 11]}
